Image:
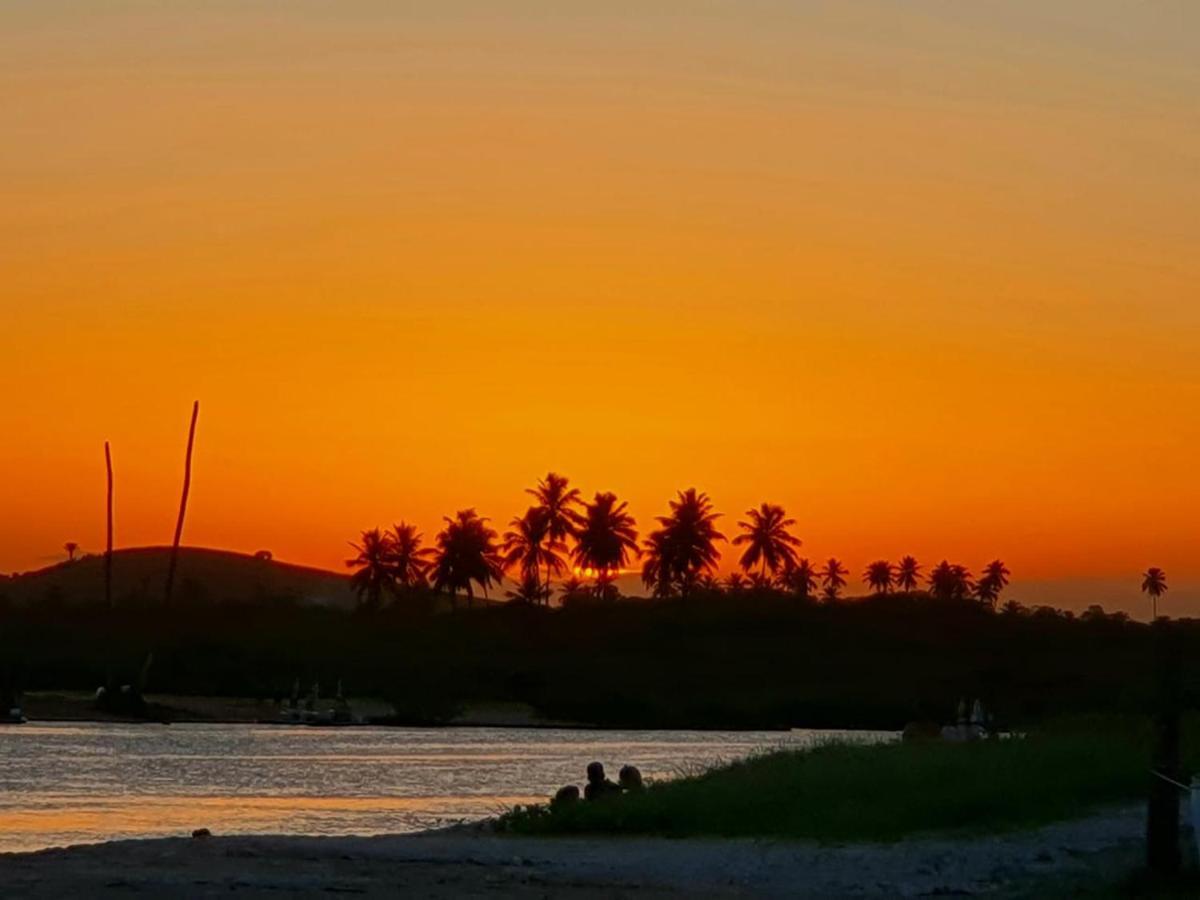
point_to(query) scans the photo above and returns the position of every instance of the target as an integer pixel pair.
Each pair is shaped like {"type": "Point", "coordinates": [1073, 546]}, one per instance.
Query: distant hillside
{"type": "Point", "coordinates": [203, 576]}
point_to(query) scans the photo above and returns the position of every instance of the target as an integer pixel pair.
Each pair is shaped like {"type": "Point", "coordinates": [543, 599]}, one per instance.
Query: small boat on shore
{"type": "Point", "coordinates": [311, 714]}
{"type": "Point", "coordinates": [11, 711]}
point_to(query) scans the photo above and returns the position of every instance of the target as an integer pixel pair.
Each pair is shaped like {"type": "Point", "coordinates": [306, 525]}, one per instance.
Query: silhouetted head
{"type": "Point", "coordinates": [630, 778]}
{"type": "Point", "coordinates": [567, 794]}
{"type": "Point", "coordinates": [595, 772]}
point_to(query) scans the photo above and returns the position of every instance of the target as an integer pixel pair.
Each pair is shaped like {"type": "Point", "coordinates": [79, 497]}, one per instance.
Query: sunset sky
{"type": "Point", "coordinates": [926, 273]}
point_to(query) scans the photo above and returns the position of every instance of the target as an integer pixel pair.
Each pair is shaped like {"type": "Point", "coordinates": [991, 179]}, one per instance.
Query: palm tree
{"type": "Point", "coordinates": [529, 546]}
{"type": "Point", "coordinates": [409, 561]}
{"type": "Point", "coordinates": [529, 589]}
{"type": "Point", "coordinates": [571, 587]}
{"type": "Point", "coordinates": [684, 546]}
{"type": "Point", "coordinates": [801, 579]}
{"type": "Point", "coordinates": [1154, 583]}
{"type": "Point", "coordinates": [878, 576]}
{"type": "Point", "coordinates": [908, 573]}
{"type": "Point", "coordinates": [833, 576]}
{"type": "Point", "coordinates": [374, 575]}
{"type": "Point", "coordinates": [950, 582]}
{"type": "Point", "coordinates": [763, 583]}
{"type": "Point", "coordinates": [735, 583]}
{"type": "Point", "coordinates": [994, 580]}
{"type": "Point", "coordinates": [770, 545]}
{"type": "Point", "coordinates": [656, 567]}
{"type": "Point", "coordinates": [72, 548]}
{"type": "Point", "coordinates": [466, 555]}
{"type": "Point", "coordinates": [560, 503]}
{"type": "Point", "coordinates": [605, 539]}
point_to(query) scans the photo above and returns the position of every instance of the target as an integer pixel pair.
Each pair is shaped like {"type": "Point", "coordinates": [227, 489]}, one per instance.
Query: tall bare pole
{"type": "Point", "coordinates": [187, 483]}
{"type": "Point", "coordinates": [108, 546]}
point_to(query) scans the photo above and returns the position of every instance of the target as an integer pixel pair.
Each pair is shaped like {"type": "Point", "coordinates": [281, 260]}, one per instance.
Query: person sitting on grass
{"type": "Point", "coordinates": [598, 785]}
{"type": "Point", "coordinates": [630, 779]}
{"type": "Point", "coordinates": [567, 795]}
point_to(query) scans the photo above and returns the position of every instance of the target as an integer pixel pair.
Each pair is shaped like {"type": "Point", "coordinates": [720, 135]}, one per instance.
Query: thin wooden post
{"type": "Point", "coordinates": [108, 545]}
{"type": "Point", "coordinates": [1162, 813]}
{"type": "Point", "coordinates": [187, 483]}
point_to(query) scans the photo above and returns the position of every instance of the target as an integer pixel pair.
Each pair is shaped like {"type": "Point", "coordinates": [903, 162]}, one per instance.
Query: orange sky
{"type": "Point", "coordinates": [923, 272]}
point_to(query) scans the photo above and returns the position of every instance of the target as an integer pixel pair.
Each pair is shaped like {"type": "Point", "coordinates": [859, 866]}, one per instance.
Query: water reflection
{"type": "Point", "coordinates": [71, 783]}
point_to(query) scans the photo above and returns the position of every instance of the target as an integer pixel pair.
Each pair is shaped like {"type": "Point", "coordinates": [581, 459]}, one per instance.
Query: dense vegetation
{"type": "Point", "coordinates": [725, 660]}
{"type": "Point", "coordinates": [757, 649]}
{"type": "Point", "coordinates": [845, 792]}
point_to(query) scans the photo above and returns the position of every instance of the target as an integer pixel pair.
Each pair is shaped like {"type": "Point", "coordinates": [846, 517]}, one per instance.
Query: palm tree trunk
{"type": "Point", "coordinates": [1162, 809]}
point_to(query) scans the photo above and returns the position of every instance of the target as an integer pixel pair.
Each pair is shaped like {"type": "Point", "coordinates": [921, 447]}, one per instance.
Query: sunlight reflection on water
{"type": "Point", "coordinates": [73, 783]}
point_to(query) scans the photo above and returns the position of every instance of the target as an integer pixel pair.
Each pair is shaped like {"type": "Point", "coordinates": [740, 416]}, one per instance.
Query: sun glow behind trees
{"type": "Point", "coordinates": [679, 557]}
{"type": "Point", "coordinates": [411, 255]}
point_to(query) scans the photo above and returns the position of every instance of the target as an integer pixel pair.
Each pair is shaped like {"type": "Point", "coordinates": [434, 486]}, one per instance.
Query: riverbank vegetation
{"type": "Point", "coordinates": [748, 660]}
{"type": "Point", "coordinates": [844, 792]}
{"type": "Point", "coordinates": [775, 644]}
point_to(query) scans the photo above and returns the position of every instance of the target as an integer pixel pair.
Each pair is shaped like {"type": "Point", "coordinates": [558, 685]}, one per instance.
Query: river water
{"type": "Point", "coordinates": [70, 783]}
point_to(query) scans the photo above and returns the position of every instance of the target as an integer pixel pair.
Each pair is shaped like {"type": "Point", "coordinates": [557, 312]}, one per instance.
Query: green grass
{"type": "Point", "coordinates": [843, 792]}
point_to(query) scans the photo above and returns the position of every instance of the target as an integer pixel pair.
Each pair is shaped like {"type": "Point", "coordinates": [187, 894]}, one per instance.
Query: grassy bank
{"type": "Point", "coordinates": [844, 792]}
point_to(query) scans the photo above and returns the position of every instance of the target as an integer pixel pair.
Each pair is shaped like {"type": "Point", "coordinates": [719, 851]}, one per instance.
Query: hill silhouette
{"type": "Point", "coordinates": [204, 576]}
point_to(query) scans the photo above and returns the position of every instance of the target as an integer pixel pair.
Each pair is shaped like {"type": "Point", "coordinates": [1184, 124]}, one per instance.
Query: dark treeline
{"type": "Point", "coordinates": [757, 659]}
{"type": "Point", "coordinates": [774, 644]}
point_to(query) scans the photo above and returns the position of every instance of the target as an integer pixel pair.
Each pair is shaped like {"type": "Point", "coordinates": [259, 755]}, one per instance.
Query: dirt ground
{"type": "Point", "coordinates": [474, 864]}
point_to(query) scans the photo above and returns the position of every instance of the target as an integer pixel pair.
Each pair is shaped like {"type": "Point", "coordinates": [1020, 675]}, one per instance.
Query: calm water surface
{"type": "Point", "coordinates": [69, 783]}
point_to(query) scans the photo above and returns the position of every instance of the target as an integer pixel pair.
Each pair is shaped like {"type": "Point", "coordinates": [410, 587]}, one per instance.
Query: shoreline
{"type": "Point", "coordinates": [471, 861]}
{"type": "Point", "coordinates": [552, 726]}
{"type": "Point", "coordinates": [79, 707]}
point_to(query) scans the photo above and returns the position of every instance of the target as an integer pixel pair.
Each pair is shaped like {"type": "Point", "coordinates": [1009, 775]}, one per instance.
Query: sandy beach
{"type": "Point", "coordinates": [473, 863]}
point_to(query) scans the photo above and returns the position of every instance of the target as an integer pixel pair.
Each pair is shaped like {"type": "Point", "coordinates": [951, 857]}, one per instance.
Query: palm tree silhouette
{"type": "Point", "coordinates": [560, 502]}
{"type": "Point", "coordinates": [408, 560]}
{"type": "Point", "coordinates": [529, 589]}
{"type": "Point", "coordinates": [571, 587]}
{"type": "Point", "coordinates": [735, 583]}
{"type": "Point", "coordinates": [770, 545]}
{"type": "Point", "coordinates": [528, 547]}
{"type": "Point", "coordinates": [994, 580]}
{"type": "Point", "coordinates": [656, 565]}
{"type": "Point", "coordinates": [763, 582]}
{"type": "Point", "coordinates": [466, 555]}
{"type": "Point", "coordinates": [1154, 583]}
{"type": "Point", "coordinates": [801, 579]}
{"type": "Point", "coordinates": [878, 576]}
{"type": "Point", "coordinates": [908, 573]}
{"type": "Point", "coordinates": [605, 539]}
{"type": "Point", "coordinates": [374, 575]}
{"type": "Point", "coordinates": [833, 576]}
{"type": "Point", "coordinates": [950, 582]}
{"type": "Point", "coordinates": [72, 548]}
{"type": "Point", "coordinates": [684, 546]}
